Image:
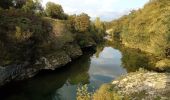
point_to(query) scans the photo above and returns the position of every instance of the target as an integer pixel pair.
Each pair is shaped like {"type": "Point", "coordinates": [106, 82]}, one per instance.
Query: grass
{"type": "Point", "coordinates": [105, 92]}
{"type": "Point", "coordinates": [163, 64]}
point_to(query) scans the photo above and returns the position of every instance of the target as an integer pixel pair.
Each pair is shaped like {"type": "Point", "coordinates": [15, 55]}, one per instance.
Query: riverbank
{"type": "Point", "coordinates": [31, 42]}
{"type": "Point", "coordinates": [51, 61]}
{"type": "Point", "coordinates": [140, 85]}
{"type": "Point", "coordinates": [93, 68]}
{"type": "Point", "coordinates": [144, 85]}
{"type": "Point", "coordinates": [148, 32]}
{"type": "Point", "coordinates": [37, 43]}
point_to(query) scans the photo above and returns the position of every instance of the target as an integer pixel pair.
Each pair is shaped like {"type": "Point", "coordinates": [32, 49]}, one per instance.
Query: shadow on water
{"type": "Point", "coordinates": [108, 62]}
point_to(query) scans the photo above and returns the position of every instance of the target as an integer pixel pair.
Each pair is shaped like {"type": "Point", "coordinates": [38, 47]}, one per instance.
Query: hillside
{"type": "Point", "coordinates": [146, 29]}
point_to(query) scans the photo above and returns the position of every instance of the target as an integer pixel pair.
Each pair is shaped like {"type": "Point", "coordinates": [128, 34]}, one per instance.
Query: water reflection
{"type": "Point", "coordinates": [94, 68]}
{"type": "Point", "coordinates": [133, 59]}
{"type": "Point", "coordinates": [53, 85]}
{"type": "Point", "coordinates": [106, 66]}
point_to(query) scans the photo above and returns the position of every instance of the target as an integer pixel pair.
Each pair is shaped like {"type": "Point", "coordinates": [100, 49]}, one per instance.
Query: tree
{"type": "Point", "coordinates": [71, 20]}
{"type": "Point", "coordinates": [54, 10]}
{"type": "Point", "coordinates": [32, 6]}
{"type": "Point", "coordinates": [82, 22]}
{"type": "Point", "coordinates": [100, 25]}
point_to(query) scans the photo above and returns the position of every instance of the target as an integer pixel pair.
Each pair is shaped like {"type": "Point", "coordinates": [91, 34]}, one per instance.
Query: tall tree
{"type": "Point", "coordinates": [100, 26]}
{"type": "Point", "coordinates": [82, 22]}
{"type": "Point", "coordinates": [32, 6]}
{"type": "Point", "coordinates": [54, 10]}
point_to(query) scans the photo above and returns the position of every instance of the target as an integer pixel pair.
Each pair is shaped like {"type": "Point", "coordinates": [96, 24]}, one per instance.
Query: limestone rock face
{"type": "Point", "coordinates": [16, 72]}
{"type": "Point", "coordinates": [73, 50]}
{"type": "Point", "coordinates": [55, 60]}
{"type": "Point", "coordinates": [51, 61]}
{"type": "Point", "coordinates": [144, 85]}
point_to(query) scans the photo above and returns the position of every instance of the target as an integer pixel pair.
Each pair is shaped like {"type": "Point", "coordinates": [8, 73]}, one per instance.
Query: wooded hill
{"type": "Point", "coordinates": [147, 29]}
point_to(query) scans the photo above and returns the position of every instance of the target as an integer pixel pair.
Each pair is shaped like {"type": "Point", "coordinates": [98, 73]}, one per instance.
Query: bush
{"type": "Point", "coordinates": [85, 40]}
{"type": "Point", "coordinates": [105, 92]}
{"type": "Point", "coordinates": [98, 30]}
{"type": "Point", "coordinates": [83, 94]}
{"type": "Point", "coordinates": [163, 64]}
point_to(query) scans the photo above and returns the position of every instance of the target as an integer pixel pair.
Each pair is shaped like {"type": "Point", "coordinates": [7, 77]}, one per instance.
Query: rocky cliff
{"type": "Point", "coordinates": [49, 62]}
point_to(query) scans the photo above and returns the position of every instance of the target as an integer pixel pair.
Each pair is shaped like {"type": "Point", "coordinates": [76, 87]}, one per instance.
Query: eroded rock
{"type": "Point", "coordinates": [144, 85]}
{"type": "Point", "coordinates": [50, 61]}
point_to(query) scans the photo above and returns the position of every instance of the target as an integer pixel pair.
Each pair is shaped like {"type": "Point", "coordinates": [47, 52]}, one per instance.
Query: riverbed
{"type": "Point", "coordinates": [94, 68]}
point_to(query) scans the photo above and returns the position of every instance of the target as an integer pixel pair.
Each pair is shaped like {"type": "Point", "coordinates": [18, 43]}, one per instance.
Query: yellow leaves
{"type": "Point", "coordinates": [83, 94]}
{"type": "Point", "coordinates": [22, 35]}
{"type": "Point", "coordinates": [106, 93]}
{"type": "Point", "coordinates": [82, 22]}
{"type": "Point", "coordinates": [18, 32]}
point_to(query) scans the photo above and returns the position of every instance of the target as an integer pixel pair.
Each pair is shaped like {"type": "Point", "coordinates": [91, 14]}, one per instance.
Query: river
{"type": "Point", "coordinates": [94, 68]}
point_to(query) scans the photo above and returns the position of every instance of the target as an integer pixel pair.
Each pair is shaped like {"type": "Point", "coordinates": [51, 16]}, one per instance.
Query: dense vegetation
{"type": "Point", "coordinates": [146, 29]}
{"type": "Point", "coordinates": [28, 30]}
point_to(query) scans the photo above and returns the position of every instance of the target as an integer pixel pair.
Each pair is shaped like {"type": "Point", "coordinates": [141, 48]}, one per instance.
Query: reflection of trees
{"type": "Point", "coordinates": [79, 70]}
{"type": "Point", "coordinates": [99, 49]}
{"type": "Point", "coordinates": [114, 44]}
{"type": "Point", "coordinates": [44, 86]}
{"type": "Point", "coordinates": [133, 59]}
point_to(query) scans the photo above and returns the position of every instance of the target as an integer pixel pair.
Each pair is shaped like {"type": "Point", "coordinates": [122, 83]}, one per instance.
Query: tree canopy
{"type": "Point", "coordinates": [82, 22]}
{"type": "Point", "coordinates": [55, 11]}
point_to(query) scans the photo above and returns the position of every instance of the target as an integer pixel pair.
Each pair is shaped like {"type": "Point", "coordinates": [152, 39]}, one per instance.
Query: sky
{"type": "Point", "coordinates": [105, 9]}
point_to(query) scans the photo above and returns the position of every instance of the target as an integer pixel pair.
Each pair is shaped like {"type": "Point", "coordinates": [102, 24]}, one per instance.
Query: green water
{"type": "Point", "coordinates": [107, 63]}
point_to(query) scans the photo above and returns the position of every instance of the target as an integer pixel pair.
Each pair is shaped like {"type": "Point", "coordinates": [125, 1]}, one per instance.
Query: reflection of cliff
{"type": "Point", "coordinates": [79, 70]}
{"type": "Point", "coordinates": [44, 87]}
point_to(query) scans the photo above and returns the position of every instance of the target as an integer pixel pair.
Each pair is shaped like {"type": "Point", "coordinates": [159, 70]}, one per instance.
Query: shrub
{"type": "Point", "coordinates": [106, 93]}
{"type": "Point", "coordinates": [83, 94]}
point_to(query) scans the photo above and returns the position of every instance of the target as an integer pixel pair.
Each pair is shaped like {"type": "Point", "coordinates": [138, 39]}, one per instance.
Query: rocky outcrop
{"type": "Point", "coordinates": [73, 50]}
{"type": "Point", "coordinates": [16, 72]}
{"type": "Point", "coordinates": [140, 85]}
{"type": "Point", "coordinates": [143, 85]}
{"type": "Point", "coordinates": [50, 61]}
{"type": "Point", "coordinates": [55, 60]}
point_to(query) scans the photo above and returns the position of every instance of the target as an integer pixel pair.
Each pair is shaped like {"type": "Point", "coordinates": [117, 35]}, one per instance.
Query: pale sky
{"type": "Point", "coordinates": [106, 9]}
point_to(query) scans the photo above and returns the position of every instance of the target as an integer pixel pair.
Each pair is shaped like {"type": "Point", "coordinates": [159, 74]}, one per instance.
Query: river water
{"type": "Point", "coordinates": [94, 68]}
